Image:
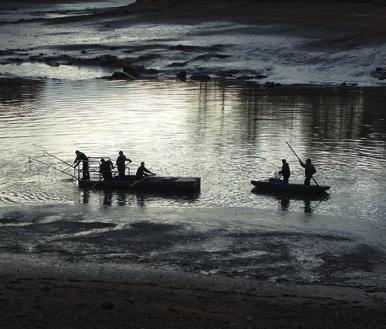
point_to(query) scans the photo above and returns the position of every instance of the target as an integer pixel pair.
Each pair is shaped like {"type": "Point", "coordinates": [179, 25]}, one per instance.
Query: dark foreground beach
{"type": "Point", "coordinates": [36, 293]}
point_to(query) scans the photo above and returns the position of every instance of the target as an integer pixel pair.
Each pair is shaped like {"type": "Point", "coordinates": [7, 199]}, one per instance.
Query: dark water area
{"type": "Point", "coordinates": [227, 134]}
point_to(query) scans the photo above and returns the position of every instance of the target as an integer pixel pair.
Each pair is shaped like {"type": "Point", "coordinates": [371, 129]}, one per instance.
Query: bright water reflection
{"type": "Point", "coordinates": [227, 134]}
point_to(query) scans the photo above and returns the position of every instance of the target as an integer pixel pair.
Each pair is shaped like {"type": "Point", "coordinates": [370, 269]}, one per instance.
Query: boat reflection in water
{"type": "Point", "coordinates": [284, 198]}
{"type": "Point", "coordinates": [126, 198]}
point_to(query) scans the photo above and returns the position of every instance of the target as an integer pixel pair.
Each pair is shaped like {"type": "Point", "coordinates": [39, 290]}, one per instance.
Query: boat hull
{"type": "Point", "coordinates": [154, 184]}
{"type": "Point", "coordinates": [299, 189]}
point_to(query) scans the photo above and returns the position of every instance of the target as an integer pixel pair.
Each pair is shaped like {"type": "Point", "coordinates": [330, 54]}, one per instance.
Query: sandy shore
{"type": "Point", "coordinates": [49, 293]}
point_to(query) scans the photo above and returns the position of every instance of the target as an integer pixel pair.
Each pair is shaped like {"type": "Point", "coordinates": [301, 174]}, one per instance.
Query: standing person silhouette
{"type": "Point", "coordinates": [285, 171]}
{"type": "Point", "coordinates": [105, 169]}
{"type": "Point", "coordinates": [81, 157]}
{"type": "Point", "coordinates": [309, 171]}
{"type": "Point", "coordinates": [121, 164]}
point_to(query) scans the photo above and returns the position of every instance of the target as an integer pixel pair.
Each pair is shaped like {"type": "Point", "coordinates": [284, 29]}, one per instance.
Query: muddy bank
{"type": "Point", "coordinates": [281, 42]}
{"type": "Point", "coordinates": [38, 293]}
{"type": "Point", "coordinates": [357, 16]}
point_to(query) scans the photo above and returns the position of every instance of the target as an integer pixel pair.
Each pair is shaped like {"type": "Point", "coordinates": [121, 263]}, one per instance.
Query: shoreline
{"type": "Point", "coordinates": [295, 87]}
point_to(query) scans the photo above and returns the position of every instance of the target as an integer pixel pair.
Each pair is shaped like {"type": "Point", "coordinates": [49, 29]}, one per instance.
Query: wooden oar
{"type": "Point", "coordinates": [300, 160]}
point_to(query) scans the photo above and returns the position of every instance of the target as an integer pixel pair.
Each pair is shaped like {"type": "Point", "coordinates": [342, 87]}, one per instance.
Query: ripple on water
{"type": "Point", "coordinates": [227, 134]}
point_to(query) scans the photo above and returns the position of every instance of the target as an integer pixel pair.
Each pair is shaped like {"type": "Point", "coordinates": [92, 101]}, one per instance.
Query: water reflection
{"type": "Point", "coordinates": [20, 92]}
{"type": "Point", "coordinates": [141, 199]}
{"type": "Point", "coordinates": [287, 200]}
{"type": "Point", "coordinates": [85, 197]}
{"type": "Point", "coordinates": [121, 199]}
{"type": "Point", "coordinates": [107, 198]}
{"type": "Point", "coordinates": [226, 133]}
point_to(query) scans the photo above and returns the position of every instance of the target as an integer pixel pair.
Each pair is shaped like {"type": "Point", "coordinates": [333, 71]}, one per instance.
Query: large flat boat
{"type": "Point", "coordinates": [91, 178]}
{"type": "Point", "coordinates": [152, 184]}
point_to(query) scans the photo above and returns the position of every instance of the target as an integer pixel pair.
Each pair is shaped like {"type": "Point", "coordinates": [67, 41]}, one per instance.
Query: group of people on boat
{"type": "Point", "coordinates": [106, 167]}
{"type": "Point", "coordinates": [309, 171]}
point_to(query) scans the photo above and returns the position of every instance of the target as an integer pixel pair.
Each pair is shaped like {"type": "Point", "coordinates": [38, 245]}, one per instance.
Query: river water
{"type": "Point", "coordinates": [227, 134]}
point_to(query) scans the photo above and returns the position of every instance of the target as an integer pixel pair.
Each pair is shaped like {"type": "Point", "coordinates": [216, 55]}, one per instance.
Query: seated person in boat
{"type": "Point", "coordinates": [81, 157]}
{"type": "Point", "coordinates": [309, 171]}
{"type": "Point", "coordinates": [121, 164]}
{"type": "Point", "coordinates": [105, 169]}
{"type": "Point", "coordinates": [142, 171]}
{"type": "Point", "coordinates": [285, 171]}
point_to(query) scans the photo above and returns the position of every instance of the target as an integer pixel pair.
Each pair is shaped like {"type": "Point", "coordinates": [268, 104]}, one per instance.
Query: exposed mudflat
{"type": "Point", "coordinates": [289, 42]}
{"type": "Point", "coordinates": [46, 292]}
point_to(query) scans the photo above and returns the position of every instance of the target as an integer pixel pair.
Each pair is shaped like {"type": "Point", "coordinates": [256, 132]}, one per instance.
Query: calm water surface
{"type": "Point", "coordinates": [227, 134]}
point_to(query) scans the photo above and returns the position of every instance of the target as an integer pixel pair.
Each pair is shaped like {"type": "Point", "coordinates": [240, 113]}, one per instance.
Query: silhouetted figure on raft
{"type": "Point", "coordinates": [105, 169]}
{"type": "Point", "coordinates": [285, 171]}
{"type": "Point", "coordinates": [142, 171]}
{"type": "Point", "coordinates": [121, 164]}
{"type": "Point", "coordinates": [81, 157]}
{"type": "Point", "coordinates": [309, 171]}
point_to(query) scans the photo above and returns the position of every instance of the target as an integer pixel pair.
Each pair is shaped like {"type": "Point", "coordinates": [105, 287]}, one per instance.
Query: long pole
{"type": "Point", "coordinates": [300, 160]}
{"type": "Point", "coordinates": [55, 157]}
{"type": "Point", "coordinates": [53, 167]}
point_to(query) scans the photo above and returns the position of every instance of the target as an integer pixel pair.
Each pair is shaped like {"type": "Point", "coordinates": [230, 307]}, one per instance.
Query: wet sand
{"type": "Point", "coordinates": [46, 293]}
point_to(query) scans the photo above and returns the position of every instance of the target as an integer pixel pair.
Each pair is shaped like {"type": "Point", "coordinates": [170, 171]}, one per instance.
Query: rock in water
{"type": "Point", "coordinates": [379, 73]}
{"type": "Point", "coordinates": [181, 75]}
{"type": "Point", "coordinates": [121, 76]}
{"type": "Point", "coordinates": [133, 70]}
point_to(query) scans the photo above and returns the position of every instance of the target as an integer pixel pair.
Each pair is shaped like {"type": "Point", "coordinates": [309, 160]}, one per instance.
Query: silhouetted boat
{"type": "Point", "coordinates": [147, 184]}
{"type": "Point", "coordinates": [153, 184]}
{"type": "Point", "coordinates": [300, 189]}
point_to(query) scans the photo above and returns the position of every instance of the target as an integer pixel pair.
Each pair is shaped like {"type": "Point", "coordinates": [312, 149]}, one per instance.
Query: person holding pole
{"type": "Point", "coordinates": [309, 171]}
{"type": "Point", "coordinates": [81, 157]}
